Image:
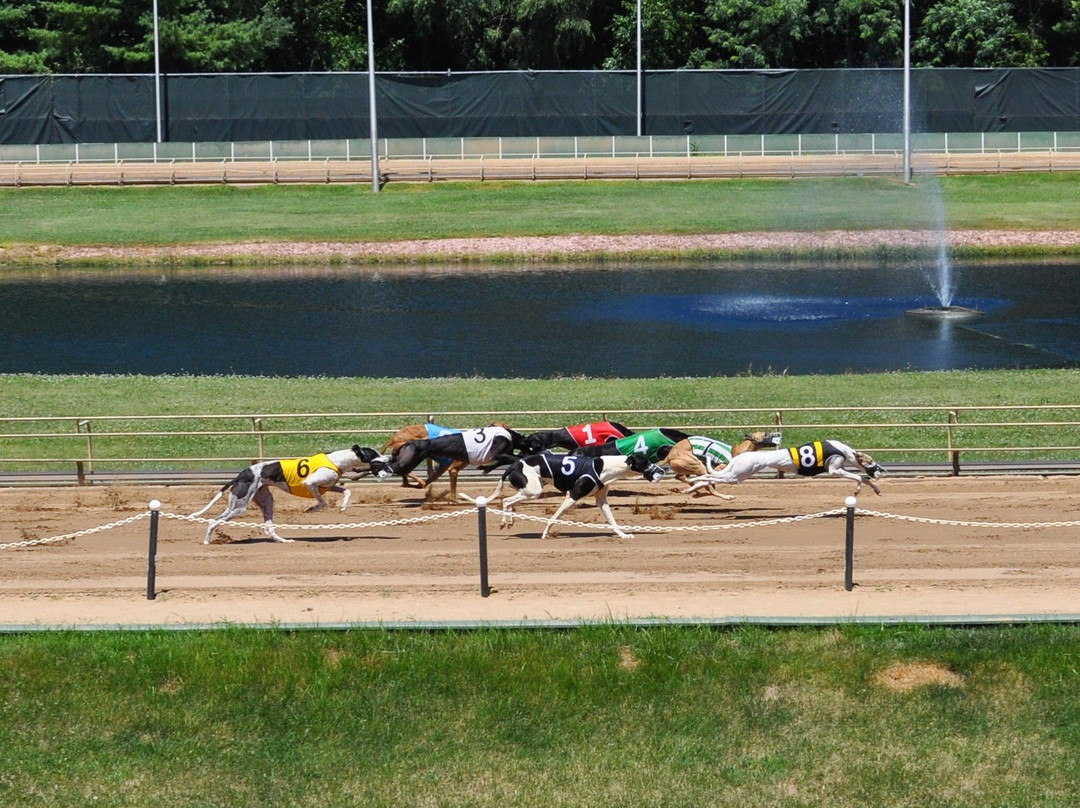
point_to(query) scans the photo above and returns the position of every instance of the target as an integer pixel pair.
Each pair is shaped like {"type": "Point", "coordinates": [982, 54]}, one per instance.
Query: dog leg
{"type": "Point", "coordinates": [601, 500]}
{"type": "Point", "coordinates": [453, 470]}
{"type": "Point", "coordinates": [237, 506]}
{"type": "Point", "coordinates": [566, 505]}
{"type": "Point", "coordinates": [859, 479]}
{"type": "Point", "coordinates": [265, 500]}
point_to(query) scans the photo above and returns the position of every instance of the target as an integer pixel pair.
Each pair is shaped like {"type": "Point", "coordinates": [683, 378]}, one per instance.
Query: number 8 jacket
{"type": "Point", "coordinates": [809, 459]}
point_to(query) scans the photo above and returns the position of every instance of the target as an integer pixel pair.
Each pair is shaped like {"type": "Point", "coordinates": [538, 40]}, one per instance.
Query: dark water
{"type": "Point", "coordinates": [705, 319]}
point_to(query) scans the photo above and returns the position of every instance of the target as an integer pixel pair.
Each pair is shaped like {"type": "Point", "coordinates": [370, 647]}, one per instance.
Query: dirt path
{"type": "Point", "coordinates": [452, 250]}
{"type": "Point", "coordinates": [429, 571]}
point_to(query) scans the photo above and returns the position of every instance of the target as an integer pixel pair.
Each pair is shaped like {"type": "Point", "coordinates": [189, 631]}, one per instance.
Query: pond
{"type": "Point", "coordinates": [689, 319]}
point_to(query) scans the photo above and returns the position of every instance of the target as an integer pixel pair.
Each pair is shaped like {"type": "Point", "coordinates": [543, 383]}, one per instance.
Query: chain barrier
{"type": "Point", "coordinates": [76, 534]}
{"type": "Point", "coordinates": [964, 523]}
{"type": "Point", "coordinates": [678, 528]}
{"type": "Point", "coordinates": [349, 526]}
{"type": "Point", "coordinates": [530, 517]}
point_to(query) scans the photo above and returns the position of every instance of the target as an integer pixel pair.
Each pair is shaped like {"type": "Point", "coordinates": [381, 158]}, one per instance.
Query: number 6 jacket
{"type": "Point", "coordinates": [298, 469]}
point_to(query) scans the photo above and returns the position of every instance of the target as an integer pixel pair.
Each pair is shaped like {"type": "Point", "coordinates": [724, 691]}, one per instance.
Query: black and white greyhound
{"type": "Point", "coordinates": [577, 476]}
{"type": "Point", "coordinates": [808, 460]}
{"type": "Point", "coordinates": [576, 437]}
{"type": "Point", "coordinates": [487, 447]}
{"type": "Point", "coordinates": [303, 476]}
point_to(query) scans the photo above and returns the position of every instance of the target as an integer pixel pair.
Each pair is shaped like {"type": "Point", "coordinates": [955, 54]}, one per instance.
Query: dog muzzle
{"type": "Point", "coordinates": [654, 473]}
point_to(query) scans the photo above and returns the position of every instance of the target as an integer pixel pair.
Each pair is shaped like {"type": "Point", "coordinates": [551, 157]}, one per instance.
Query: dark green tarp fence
{"type": "Point", "coordinates": [317, 106]}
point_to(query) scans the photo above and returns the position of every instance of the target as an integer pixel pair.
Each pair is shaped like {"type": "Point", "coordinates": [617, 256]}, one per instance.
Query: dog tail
{"type": "Point", "coordinates": [497, 493]}
{"type": "Point", "coordinates": [210, 504]}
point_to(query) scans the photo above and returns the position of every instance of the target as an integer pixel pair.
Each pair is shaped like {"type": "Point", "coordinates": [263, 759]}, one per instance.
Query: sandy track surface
{"type": "Point", "coordinates": [430, 571]}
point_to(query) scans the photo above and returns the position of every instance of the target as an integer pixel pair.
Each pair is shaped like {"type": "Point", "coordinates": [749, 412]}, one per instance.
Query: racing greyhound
{"type": "Point", "coordinates": [576, 437]}
{"type": "Point", "coordinates": [305, 477]}
{"type": "Point", "coordinates": [810, 459]}
{"type": "Point", "coordinates": [487, 447]}
{"type": "Point", "coordinates": [575, 475]}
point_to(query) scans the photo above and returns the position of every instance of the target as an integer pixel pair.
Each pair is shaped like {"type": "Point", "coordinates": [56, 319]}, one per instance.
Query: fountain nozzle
{"type": "Point", "coordinates": [944, 313]}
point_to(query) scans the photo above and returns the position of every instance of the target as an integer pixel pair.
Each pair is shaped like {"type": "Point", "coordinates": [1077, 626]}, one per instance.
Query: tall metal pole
{"type": "Point", "coordinates": [639, 68]}
{"type": "Point", "coordinates": [371, 102]}
{"type": "Point", "coordinates": [907, 91]}
{"type": "Point", "coordinates": [157, 75]}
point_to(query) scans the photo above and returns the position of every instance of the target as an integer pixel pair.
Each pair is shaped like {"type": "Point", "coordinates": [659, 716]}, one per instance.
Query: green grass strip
{"type": "Point", "coordinates": [73, 397]}
{"type": "Point", "coordinates": [603, 715]}
{"type": "Point", "coordinates": [171, 216]}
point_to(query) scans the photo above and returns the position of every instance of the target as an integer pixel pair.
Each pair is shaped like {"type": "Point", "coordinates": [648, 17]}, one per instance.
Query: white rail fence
{"type": "Point", "coordinates": [88, 448]}
{"type": "Point", "coordinates": [618, 157]}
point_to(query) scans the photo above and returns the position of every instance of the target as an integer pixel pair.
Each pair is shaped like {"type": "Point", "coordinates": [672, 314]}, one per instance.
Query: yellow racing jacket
{"type": "Point", "coordinates": [298, 469]}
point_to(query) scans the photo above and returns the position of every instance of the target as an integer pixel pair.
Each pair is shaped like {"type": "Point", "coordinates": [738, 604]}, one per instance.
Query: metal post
{"type": "Point", "coordinates": [907, 91]}
{"type": "Point", "coordinates": [481, 511]}
{"type": "Point", "coordinates": [849, 547]}
{"type": "Point", "coordinates": [954, 455]}
{"type": "Point", "coordinates": [371, 102]}
{"type": "Point", "coordinates": [639, 68]}
{"type": "Point", "coordinates": [157, 75]}
{"type": "Point", "coordinates": [151, 571]}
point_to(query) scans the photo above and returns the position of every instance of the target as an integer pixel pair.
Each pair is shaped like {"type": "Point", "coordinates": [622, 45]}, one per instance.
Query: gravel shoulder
{"type": "Point", "coordinates": [527, 248]}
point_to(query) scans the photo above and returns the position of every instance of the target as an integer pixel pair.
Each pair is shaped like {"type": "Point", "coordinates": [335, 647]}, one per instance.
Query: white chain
{"type": "Point", "coordinates": [679, 528]}
{"type": "Point", "coordinates": [350, 526]}
{"type": "Point", "coordinates": [962, 523]}
{"type": "Point", "coordinates": [76, 534]}
{"type": "Point", "coordinates": [530, 517]}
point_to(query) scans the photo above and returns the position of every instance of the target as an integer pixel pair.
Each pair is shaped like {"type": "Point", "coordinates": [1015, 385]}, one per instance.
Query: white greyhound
{"type": "Point", "coordinates": [810, 459]}
{"type": "Point", "coordinates": [575, 475]}
{"type": "Point", "coordinates": [305, 477]}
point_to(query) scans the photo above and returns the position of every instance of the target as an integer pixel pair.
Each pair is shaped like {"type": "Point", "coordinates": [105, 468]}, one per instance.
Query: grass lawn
{"type": "Point", "coordinates": [594, 716]}
{"type": "Point", "coordinates": [185, 215]}
{"type": "Point", "coordinates": [71, 397]}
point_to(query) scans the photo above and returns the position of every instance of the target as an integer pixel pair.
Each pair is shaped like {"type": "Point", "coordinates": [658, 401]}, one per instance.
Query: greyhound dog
{"type": "Point", "coordinates": [576, 476]}
{"type": "Point", "coordinates": [423, 432]}
{"type": "Point", "coordinates": [810, 459]}
{"type": "Point", "coordinates": [576, 437]}
{"type": "Point", "coordinates": [655, 444]}
{"type": "Point", "coordinates": [698, 455]}
{"type": "Point", "coordinates": [487, 447]}
{"type": "Point", "coordinates": [305, 477]}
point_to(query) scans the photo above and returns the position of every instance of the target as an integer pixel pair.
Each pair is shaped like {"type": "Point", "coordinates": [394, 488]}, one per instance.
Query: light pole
{"type": "Point", "coordinates": [157, 75]}
{"type": "Point", "coordinates": [907, 91]}
{"type": "Point", "coordinates": [371, 102]}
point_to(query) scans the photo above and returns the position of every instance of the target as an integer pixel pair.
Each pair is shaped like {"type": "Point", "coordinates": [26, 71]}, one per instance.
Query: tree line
{"type": "Point", "coordinates": [116, 36]}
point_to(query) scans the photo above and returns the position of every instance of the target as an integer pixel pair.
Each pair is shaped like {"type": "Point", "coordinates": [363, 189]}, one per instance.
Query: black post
{"type": "Point", "coordinates": [151, 571]}
{"type": "Point", "coordinates": [481, 510]}
{"type": "Point", "coordinates": [849, 551]}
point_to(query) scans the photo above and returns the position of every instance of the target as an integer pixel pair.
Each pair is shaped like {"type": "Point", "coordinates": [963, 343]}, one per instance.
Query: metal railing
{"type": "Point", "coordinates": [501, 148]}
{"type": "Point", "coordinates": [1017, 437]}
{"type": "Point", "coordinates": [431, 159]}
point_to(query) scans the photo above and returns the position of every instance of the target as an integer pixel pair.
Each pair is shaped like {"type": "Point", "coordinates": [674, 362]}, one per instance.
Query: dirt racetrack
{"type": "Point", "coordinates": [428, 571]}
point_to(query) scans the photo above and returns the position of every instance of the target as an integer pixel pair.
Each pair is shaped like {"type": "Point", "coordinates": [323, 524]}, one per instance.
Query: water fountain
{"type": "Point", "coordinates": [942, 281]}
